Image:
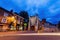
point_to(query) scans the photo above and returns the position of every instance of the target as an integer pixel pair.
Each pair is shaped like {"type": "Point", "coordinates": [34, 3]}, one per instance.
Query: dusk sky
{"type": "Point", "coordinates": [49, 9]}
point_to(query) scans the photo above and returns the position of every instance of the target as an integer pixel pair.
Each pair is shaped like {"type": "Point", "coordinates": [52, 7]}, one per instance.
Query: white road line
{"type": "Point", "coordinates": [28, 34]}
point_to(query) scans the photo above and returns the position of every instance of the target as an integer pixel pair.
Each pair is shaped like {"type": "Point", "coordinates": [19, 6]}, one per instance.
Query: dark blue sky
{"type": "Point", "coordinates": [49, 9]}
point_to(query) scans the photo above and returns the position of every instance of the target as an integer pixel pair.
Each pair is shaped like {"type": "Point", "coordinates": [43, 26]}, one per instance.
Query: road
{"type": "Point", "coordinates": [30, 37]}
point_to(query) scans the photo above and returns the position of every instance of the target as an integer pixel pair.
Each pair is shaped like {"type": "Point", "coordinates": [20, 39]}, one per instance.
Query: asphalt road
{"type": "Point", "coordinates": [30, 37]}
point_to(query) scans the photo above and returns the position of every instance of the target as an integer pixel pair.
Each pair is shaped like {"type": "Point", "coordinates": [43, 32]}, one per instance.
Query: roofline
{"type": "Point", "coordinates": [18, 15]}
{"type": "Point", "coordinates": [4, 9]}
{"type": "Point", "coordinates": [9, 12]}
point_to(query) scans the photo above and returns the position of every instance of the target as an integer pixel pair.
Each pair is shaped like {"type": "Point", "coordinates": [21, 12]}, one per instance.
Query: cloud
{"type": "Point", "coordinates": [37, 2]}
{"type": "Point", "coordinates": [55, 7]}
{"type": "Point", "coordinates": [51, 7]}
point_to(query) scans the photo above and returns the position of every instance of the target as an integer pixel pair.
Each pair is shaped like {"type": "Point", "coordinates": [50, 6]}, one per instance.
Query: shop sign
{"type": "Point", "coordinates": [4, 20]}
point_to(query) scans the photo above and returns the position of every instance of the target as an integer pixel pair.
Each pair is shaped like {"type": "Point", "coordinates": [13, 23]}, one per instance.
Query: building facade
{"type": "Point", "coordinates": [33, 23]}
{"type": "Point", "coordinates": [9, 20]}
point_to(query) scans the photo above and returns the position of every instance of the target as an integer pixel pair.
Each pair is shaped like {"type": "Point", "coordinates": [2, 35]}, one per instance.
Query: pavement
{"type": "Point", "coordinates": [24, 33]}
{"type": "Point", "coordinates": [16, 32]}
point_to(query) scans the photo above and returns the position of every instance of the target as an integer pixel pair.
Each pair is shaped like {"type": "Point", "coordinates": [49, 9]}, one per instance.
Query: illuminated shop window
{"type": "Point", "coordinates": [20, 28]}
{"type": "Point", "coordinates": [13, 28]}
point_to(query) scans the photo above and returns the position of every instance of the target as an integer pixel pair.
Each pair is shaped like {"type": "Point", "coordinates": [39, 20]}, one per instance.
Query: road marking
{"type": "Point", "coordinates": [31, 34]}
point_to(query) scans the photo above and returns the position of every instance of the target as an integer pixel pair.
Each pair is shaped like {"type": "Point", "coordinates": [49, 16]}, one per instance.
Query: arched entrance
{"type": "Point", "coordinates": [32, 28]}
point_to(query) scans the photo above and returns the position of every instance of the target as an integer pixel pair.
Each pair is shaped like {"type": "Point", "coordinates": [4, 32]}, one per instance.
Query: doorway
{"type": "Point", "coordinates": [32, 28]}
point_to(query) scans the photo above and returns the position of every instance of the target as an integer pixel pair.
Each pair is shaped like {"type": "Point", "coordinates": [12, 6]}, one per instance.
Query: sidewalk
{"type": "Point", "coordinates": [7, 34]}
{"type": "Point", "coordinates": [16, 32]}
{"type": "Point", "coordinates": [23, 32]}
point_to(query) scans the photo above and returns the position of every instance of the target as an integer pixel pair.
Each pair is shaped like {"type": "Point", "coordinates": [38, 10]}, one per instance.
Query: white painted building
{"type": "Point", "coordinates": [33, 23]}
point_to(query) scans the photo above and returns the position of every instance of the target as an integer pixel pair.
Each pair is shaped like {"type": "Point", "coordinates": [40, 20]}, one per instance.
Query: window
{"type": "Point", "coordinates": [5, 14]}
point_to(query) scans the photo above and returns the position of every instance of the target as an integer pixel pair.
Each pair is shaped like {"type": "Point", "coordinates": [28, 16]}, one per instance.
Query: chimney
{"type": "Point", "coordinates": [11, 11]}
{"type": "Point", "coordinates": [43, 21]}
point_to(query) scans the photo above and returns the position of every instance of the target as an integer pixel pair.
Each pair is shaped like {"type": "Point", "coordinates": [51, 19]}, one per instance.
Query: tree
{"type": "Point", "coordinates": [59, 25]}
{"type": "Point", "coordinates": [25, 15]}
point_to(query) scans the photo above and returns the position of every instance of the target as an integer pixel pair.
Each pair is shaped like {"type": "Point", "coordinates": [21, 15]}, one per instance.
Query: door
{"type": "Point", "coordinates": [32, 28]}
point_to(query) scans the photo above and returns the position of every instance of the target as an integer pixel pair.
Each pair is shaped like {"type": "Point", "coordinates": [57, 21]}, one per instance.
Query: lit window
{"type": "Point", "coordinates": [5, 14]}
